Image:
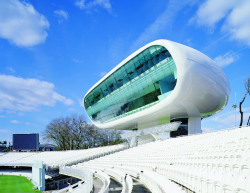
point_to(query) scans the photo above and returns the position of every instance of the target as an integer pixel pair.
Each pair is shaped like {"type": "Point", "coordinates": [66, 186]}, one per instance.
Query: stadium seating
{"type": "Point", "coordinates": [118, 175]}
{"type": "Point", "coordinates": [206, 163]}
{"type": "Point", "coordinates": [85, 174]}
{"type": "Point", "coordinates": [9, 158]}
{"type": "Point", "coordinates": [55, 159]}
{"type": "Point", "coordinates": [211, 163]}
{"type": "Point", "coordinates": [86, 183]}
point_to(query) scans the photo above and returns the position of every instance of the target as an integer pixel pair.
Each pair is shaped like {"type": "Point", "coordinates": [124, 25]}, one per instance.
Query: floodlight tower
{"type": "Point", "coordinates": [235, 107]}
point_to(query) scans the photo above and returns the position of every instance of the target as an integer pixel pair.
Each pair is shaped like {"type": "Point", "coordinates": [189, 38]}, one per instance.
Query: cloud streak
{"type": "Point", "coordinates": [5, 131]}
{"type": "Point", "coordinates": [87, 5]}
{"type": "Point", "coordinates": [21, 24]}
{"type": "Point", "coordinates": [228, 118]}
{"type": "Point", "coordinates": [15, 122]}
{"type": "Point", "coordinates": [226, 59]}
{"type": "Point", "coordinates": [234, 15]}
{"type": "Point", "coordinates": [63, 15]}
{"type": "Point", "coordinates": [19, 94]}
{"type": "Point", "coordinates": [162, 23]}
{"type": "Point", "coordinates": [102, 74]}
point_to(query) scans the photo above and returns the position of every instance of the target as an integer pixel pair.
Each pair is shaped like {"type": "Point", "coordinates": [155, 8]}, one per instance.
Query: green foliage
{"type": "Point", "coordinates": [3, 142]}
{"type": "Point", "coordinates": [73, 132]}
{"type": "Point", "coordinates": [16, 184]}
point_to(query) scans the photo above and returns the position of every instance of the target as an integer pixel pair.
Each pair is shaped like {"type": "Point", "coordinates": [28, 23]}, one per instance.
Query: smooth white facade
{"type": "Point", "coordinates": [201, 90]}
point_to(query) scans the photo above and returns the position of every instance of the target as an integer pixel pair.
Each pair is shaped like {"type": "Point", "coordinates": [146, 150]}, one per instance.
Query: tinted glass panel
{"type": "Point", "coordinates": [140, 83]}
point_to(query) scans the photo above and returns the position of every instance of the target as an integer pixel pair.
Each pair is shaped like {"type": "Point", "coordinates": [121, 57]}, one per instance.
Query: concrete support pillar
{"type": "Point", "coordinates": [194, 125]}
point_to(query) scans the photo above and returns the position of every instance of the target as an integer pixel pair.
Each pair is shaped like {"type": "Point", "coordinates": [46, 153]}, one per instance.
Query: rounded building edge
{"type": "Point", "coordinates": [202, 89]}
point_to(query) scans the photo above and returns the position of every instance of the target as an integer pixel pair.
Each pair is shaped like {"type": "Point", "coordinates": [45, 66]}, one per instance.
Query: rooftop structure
{"type": "Point", "coordinates": [161, 82]}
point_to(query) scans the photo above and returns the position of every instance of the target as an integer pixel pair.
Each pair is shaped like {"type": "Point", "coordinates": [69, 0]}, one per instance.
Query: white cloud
{"type": "Point", "coordinates": [225, 60]}
{"type": "Point", "coordinates": [62, 14]}
{"type": "Point", "coordinates": [21, 24]}
{"type": "Point", "coordinates": [75, 60]}
{"type": "Point", "coordinates": [163, 22]}
{"type": "Point", "coordinates": [15, 121]}
{"type": "Point", "coordinates": [228, 118]}
{"type": "Point", "coordinates": [81, 101]}
{"type": "Point", "coordinates": [11, 69]}
{"type": "Point", "coordinates": [102, 74]}
{"type": "Point", "coordinates": [238, 22]}
{"type": "Point", "coordinates": [4, 131]}
{"type": "Point", "coordinates": [208, 130]}
{"type": "Point", "coordinates": [234, 15]}
{"type": "Point", "coordinates": [87, 5]}
{"type": "Point", "coordinates": [212, 11]}
{"type": "Point", "coordinates": [19, 94]}
{"type": "Point", "coordinates": [33, 124]}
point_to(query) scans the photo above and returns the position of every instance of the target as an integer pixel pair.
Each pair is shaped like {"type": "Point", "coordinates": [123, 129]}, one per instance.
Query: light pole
{"type": "Point", "coordinates": [235, 107]}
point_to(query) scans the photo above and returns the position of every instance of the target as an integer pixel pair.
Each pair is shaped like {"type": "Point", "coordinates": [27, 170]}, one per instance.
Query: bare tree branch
{"type": "Point", "coordinates": [242, 101]}
{"type": "Point", "coordinates": [73, 132]}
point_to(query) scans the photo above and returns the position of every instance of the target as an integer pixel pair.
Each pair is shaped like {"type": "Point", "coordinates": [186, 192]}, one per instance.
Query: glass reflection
{"type": "Point", "coordinates": [140, 83]}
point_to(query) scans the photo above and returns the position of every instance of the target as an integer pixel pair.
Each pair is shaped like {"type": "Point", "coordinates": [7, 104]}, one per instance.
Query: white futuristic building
{"type": "Point", "coordinates": [162, 82]}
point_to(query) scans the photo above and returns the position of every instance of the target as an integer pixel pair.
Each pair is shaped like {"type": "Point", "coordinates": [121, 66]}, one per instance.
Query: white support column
{"type": "Point", "coordinates": [194, 125]}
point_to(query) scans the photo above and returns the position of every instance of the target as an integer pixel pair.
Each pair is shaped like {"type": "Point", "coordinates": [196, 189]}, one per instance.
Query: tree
{"type": "Point", "coordinates": [3, 142]}
{"type": "Point", "coordinates": [73, 132]}
{"type": "Point", "coordinates": [247, 86]}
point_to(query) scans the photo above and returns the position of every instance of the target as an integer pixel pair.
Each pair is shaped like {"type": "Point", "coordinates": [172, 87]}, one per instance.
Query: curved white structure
{"type": "Point", "coordinates": [197, 88]}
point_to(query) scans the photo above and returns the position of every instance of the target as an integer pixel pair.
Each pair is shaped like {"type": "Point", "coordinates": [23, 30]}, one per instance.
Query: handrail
{"type": "Point", "coordinates": [128, 185]}
{"type": "Point", "coordinates": [126, 180]}
{"type": "Point", "coordinates": [86, 185]}
{"type": "Point", "coordinates": [105, 180]}
{"type": "Point", "coordinates": [120, 176]}
{"type": "Point", "coordinates": [152, 180]}
{"type": "Point", "coordinates": [70, 188]}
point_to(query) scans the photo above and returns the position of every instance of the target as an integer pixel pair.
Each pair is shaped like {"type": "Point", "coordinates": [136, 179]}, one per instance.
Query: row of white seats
{"type": "Point", "coordinates": [154, 181]}
{"type": "Point", "coordinates": [79, 187]}
{"type": "Point", "coordinates": [85, 185]}
{"type": "Point", "coordinates": [210, 163]}
{"type": "Point", "coordinates": [118, 175]}
{"type": "Point", "coordinates": [55, 159]}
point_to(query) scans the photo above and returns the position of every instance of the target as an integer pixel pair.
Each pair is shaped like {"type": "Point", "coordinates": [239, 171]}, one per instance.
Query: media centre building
{"type": "Point", "coordinates": [162, 82]}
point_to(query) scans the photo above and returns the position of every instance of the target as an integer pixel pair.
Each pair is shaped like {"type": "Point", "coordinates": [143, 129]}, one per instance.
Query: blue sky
{"type": "Point", "coordinates": [52, 52]}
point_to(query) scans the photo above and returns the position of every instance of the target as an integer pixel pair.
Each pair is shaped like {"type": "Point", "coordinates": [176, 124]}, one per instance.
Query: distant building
{"type": "Point", "coordinates": [46, 147]}
{"type": "Point", "coordinates": [163, 81]}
